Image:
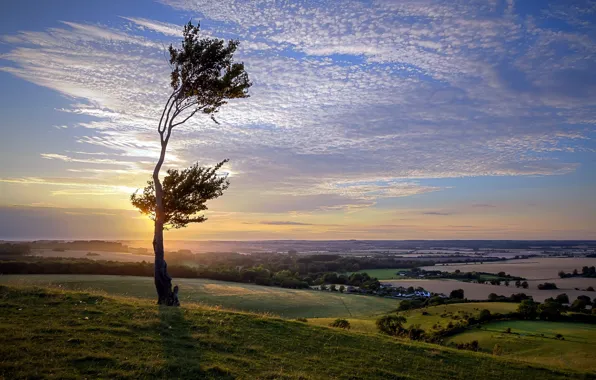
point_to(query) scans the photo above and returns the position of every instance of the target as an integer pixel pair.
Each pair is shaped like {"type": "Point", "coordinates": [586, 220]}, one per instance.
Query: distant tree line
{"type": "Point", "coordinates": [479, 277]}
{"type": "Point", "coordinates": [586, 272]}
{"type": "Point", "coordinates": [79, 245]}
{"type": "Point", "coordinates": [14, 249]}
{"type": "Point", "coordinates": [259, 275]}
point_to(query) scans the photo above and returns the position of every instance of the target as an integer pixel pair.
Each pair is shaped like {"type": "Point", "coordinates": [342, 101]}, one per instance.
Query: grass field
{"type": "Point", "coordinates": [288, 303]}
{"type": "Point", "coordinates": [577, 350]}
{"type": "Point", "coordinates": [383, 274]}
{"type": "Point", "coordinates": [69, 335]}
{"type": "Point", "coordinates": [367, 324]}
{"type": "Point", "coordinates": [443, 314]}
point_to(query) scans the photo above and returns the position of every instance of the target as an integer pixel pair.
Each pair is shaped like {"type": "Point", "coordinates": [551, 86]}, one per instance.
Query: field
{"type": "Point", "coordinates": [577, 350]}
{"type": "Point", "coordinates": [454, 310]}
{"type": "Point", "coordinates": [367, 324]}
{"type": "Point", "coordinates": [481, 291]}
{"type": "Point", "coordinates": [288, 303]}
{"type": "Point", "coordinates": [535, 268]}
{"type": "Point", "coordinates": [70, 335]}
{"type": "Point", "coordinates": [101, 255]}
{"type": "Point", "coordinates": [383, 274]}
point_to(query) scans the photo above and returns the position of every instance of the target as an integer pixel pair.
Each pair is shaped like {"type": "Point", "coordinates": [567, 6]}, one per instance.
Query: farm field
{"type": "Point", "coordinates": [535, 268]}
{"type": "Point", "coordinates": [63, 334]}
{"type": "Point", "coordinates": [287, 303]}
{"type": "Point", "coordinates": [577, 350]}
{"type": "Point", "coordinates": [476, 291]}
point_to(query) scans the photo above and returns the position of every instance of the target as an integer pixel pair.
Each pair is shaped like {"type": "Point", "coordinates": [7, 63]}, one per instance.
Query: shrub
{"type": "Point", "coordinates": [340, 323]}
{"type": "Point", "coordinates": [484, 315]}
{"type": "Point", "coordinates": [528, 309]}
{"type": "Point", "coordinates": [391, 324]}
{"type": "Point", "coordinates": [472, 346]}
{"type": "Point", "coordinates": [457, 293]}
{"type": "Point", "coordinates": [547, 286]}
{"type": "Point", "coordinates": [562, 298]}
{"type": "Point", "coordinates": [415, 332]}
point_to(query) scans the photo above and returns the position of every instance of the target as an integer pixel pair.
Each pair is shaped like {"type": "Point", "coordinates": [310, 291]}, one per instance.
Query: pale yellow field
{"type": "Point", "coordinates": [536, 268]}
{"type": "Point", "coordinates": [481, 291]}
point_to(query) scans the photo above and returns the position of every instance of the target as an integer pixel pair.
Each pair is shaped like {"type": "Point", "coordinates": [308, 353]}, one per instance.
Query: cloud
{"type": "Point", "coordinates": [351, 104]}
{"type": "Point", "coordinates": [438, 213]}
{"type": "Point", "coordinates": [284, 223]}
{"type": "Point", "coordinates": [483, 205]}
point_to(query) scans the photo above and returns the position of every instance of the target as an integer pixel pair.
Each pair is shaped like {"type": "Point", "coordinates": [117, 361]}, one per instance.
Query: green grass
{"type": "Point", "coordinates": [383, 274]}
{"type": "Point", "coordinates": [578, 350]}
{"type": "Point", "coordinates": [288, 303]}
{"type": "Point", "coordinates": [426, 322]}
{"type": "Point", "coordinates": [443, 314]}
{"type": "Point", "coordinates": [71, 335]}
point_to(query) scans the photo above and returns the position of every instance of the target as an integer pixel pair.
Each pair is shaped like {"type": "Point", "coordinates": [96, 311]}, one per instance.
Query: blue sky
{"type": "Point", "coordinates": [367, 119]}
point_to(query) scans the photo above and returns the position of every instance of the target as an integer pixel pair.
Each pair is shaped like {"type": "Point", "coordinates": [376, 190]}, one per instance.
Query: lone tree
{"type": "Point", "coordinates": [204, 76]}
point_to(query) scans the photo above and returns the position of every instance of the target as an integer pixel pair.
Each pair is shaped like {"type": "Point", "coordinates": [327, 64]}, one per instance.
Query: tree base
{"type": "Point", "coordinates": [163, 284]}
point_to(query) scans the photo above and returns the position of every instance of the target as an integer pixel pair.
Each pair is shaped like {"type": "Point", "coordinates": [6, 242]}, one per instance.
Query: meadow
{"type": "Point", "coordinates": [49, 333]}
{"type": "Point", "coordinates": [287, 303]}
{"type": "Point", "coordinates": [536, 342]}
{"type": "Point", "coordinates": [434, 314]}
{"type": "Point", "coordinates": [383, 274]}
{"type": "Point", "coordinates": [99, 255]}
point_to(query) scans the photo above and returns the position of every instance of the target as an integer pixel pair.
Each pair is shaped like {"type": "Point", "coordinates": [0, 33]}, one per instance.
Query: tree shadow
{"type": "Point", "coordinates": [181, 351]}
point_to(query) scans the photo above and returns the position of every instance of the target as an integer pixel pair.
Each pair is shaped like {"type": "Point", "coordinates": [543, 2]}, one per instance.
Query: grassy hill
{"type": "Point", "coordinates": [46, 333]}
{"type": "Point", "coordinates": [288, 303]}
{"type": "Point", "coordinates": [535, 341]}
{"type": "Point", "coordinates": [442, 314]}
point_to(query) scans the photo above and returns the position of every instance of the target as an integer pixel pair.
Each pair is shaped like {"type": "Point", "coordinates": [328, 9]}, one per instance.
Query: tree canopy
{"type": "Point", "coordinates": [185, 194]}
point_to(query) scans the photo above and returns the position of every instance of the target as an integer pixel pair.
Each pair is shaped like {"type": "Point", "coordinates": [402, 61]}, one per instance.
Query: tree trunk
{"type": "Point", "coordinates": [163, 281]}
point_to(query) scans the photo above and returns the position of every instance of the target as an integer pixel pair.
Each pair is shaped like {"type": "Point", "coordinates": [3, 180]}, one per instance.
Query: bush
{"type": "Point", "coordinates": [457, 293]}
{"type": "Point", "coordinates": [528, 309]}
{"type": "Point", "coordinates": [415, 333]}
{"type": "Point", "coordinates": [484, 315]}
{"type": "Point", "coordinates": [472, 346]}
{"type": "Point", "coordinates": [391, 324]}
{"type": "Point", "coordinates": [547, 286]}
{"type": "Point", "coordinates": [340, 323]}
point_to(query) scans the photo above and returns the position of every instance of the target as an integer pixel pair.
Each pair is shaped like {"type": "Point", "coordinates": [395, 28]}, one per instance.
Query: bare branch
{"type": "Point", "coordinates": [159, 128]}
{"type": "Point", "coordinates": [185, 119]}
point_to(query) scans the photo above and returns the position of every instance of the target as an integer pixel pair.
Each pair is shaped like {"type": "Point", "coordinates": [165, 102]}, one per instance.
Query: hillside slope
{"type": "Point", "coordinates": [53, 334]}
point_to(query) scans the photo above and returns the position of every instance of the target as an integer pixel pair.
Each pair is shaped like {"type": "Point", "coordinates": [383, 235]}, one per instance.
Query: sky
{"type": "Point", "coordinates": [376, 119]}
